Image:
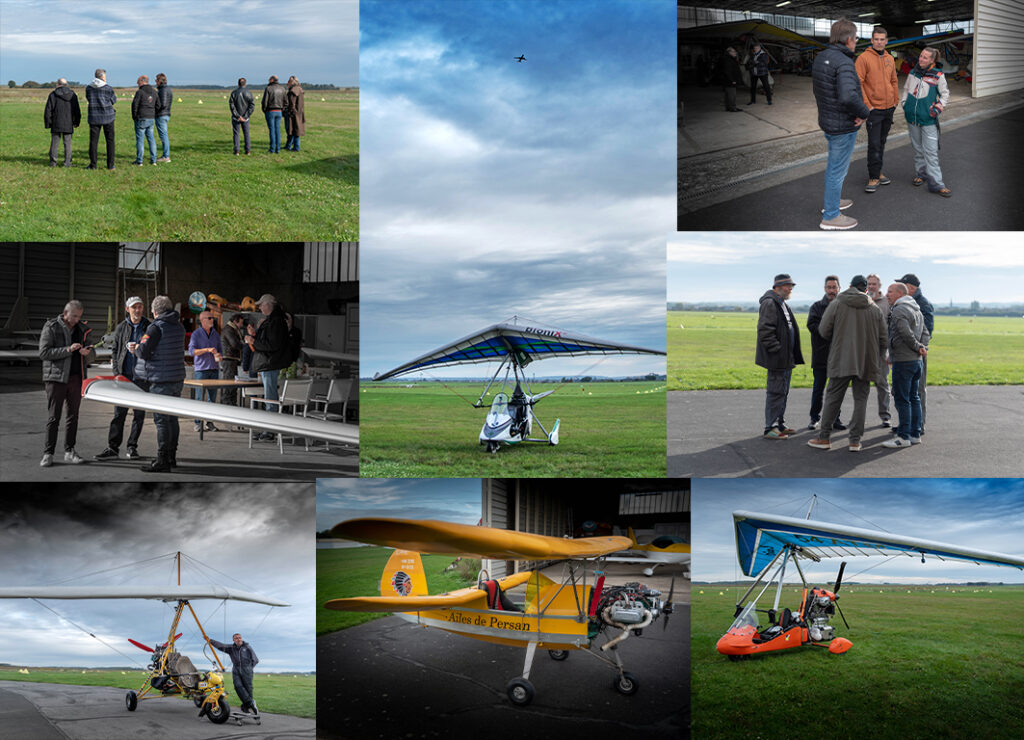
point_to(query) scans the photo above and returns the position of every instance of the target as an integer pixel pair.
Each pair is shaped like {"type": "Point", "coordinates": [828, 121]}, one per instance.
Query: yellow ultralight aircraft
{"type": "Point", "coordinates": [556, 616]}
{"type": "Point", "coordinates": [666, 549]}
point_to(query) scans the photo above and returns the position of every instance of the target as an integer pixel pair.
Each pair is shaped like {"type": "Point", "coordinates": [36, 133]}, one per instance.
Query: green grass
{"type": "Point", "coordinates": [611, 430]}
{"type": "Point", "coordinates": [356, 571]}
{"type": "Point", "coordinates": [279, 693]}
{"type": "Point", "coordinates": [203, 194]}
{"type": "Point", "coordinates": [923, 664]}
{"type": "Point", "coordinates": [715, 351]}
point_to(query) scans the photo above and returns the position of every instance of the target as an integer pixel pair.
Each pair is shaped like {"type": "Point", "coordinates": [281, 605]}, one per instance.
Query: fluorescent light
{"type": "Point", "coordinates": [926, 20]}
{"type": "Point", "coordinates": [779, 5]}
{"type": "Point", "coordinates": [865, 15]}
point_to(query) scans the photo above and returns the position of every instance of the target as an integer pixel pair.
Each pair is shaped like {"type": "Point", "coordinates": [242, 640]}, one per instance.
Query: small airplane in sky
{"type": "Point", "coordinates": [667, 549]}
{"type": "Point", "coordinates": [551, 615]}
{"type": "Point", "coordinates": [520, 59]}
{"type": "Point", "coordinates": [762, 540]}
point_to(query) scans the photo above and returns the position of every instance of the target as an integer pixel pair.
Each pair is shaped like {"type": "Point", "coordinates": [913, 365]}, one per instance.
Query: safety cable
{"type": "Point", "coordinates": [876, 526]}
{"type": "Point", "coordinates": [108, 570]}
{"type": "Point", "coordinates": [74, 624]}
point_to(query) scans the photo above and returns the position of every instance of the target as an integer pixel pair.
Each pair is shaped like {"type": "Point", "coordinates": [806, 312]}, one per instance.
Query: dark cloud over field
{"type": "Point", "coordinates": [191, 42]}
{"type": "Point", "coordinates": [986, 514]}
{"type": "Point", "coordinates": [492, 188]}
{"type": "Point", "coordinates": [256, 538]}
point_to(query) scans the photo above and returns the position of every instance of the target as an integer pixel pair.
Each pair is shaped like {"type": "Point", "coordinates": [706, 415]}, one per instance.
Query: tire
{"type": "Point", "coordinates": [626, 684]}
{"type": "Point", "coordinates": [219, 714]}
{"type": "Point", "coordinates": [558, 654]}
{"type": "Point", "coordinates": [520, 691]}
{"type": "Point", "coordinates": [198, 701]}
{"type": "Point", "coordinates": [131, 701]}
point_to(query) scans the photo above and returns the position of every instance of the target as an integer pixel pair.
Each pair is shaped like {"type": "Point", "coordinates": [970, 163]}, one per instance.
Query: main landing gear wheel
{"type": "Point", "coordinates": [131, 700]}
{"type": "Point", "coordinates": [219, 714]}
{"type": "Point", "coordinates": [520, 691]}
{"type": "Point", "coordinates": [626, 683]}
{"type": "Point", "coordinates": [558, 654]}
{"type": "Point", "coordinates": [198, 701]}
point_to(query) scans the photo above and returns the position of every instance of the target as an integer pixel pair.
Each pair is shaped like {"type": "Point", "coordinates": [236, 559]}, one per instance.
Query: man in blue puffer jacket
{"type": "Point", "coordinates": [841, 111]}
{"type": "Point", "coordinates": [161, 362]}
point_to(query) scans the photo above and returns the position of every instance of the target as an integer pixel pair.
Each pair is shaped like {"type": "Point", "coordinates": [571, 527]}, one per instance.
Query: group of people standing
{"type": "Point", "coordinates": [150, 353]}
{"type": "Point", "coordinates": [850, 91]}
{"type": "Point", "coordinates": [151, 111]}
{"type": "Point", "coordinates": [856, 335]}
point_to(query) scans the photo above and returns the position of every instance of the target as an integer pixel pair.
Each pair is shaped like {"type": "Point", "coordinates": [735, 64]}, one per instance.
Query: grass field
{"type": "Point", "coordinates": [929, 663]}
{"type": "Point", "coordinates": [611, 430]}
{"type": "Point", "coordinates": [279, 693]}
{"type": "Point", "coordinates": [355, 571]}
{"type": "Point", "coordinates": [715, 351]}
{"type": "Point", "coordinates": [203, 194]}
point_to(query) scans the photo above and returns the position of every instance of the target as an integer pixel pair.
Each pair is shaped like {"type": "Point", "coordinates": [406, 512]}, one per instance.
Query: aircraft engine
{"type": "Point", "coordinates": [820, 609]}
{"type": "Point", "coordinates": [630, 604]}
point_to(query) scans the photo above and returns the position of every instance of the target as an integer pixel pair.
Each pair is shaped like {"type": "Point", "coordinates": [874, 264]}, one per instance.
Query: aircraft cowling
{"type": "Point", "coordinates": [839, 645]}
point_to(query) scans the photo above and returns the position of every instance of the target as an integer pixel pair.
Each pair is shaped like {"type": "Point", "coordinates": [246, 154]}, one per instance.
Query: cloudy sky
{"type": "Point", "coordinates": [191, 41]}
{"type": "Point", "coordinates": [983, 514]}
{"type": "Point", "coordinates": [451, 500]}
{"type": "Point", "coordinates": [962, 267]}
{"type": "Point", "coordinates": [492, 188]}
{"type": "Point", "coordinates": [259, 537]}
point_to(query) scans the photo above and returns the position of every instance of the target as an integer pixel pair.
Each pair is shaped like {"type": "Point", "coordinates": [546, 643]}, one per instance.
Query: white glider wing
{"type": "Point", "coordinates": [159, 593]}
{"type": "Point", "coordinates": [760, 537]}
{"type": "Point", "coordinates": [330, 355]}
{"type": "Point", "coordinates": [127, 394]}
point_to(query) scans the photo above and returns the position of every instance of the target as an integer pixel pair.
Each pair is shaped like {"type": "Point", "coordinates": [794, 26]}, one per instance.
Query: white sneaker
{"type": "Point", "coordinates": [915, 440]}
{"type": "Point", "coordinates": [47, 460]}
{"type": "Point", "coordinates": [896, 442]}
{"type": "Point", "coordinates": [72, 457]}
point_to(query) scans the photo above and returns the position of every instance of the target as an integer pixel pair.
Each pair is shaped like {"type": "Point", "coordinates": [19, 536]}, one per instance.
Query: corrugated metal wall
{"type": "Point", "coordinates": [55, 273]}
{"type": "Point", "coordinates": [998, 51]}
{"type": "Point", "coordinates": [495, 500]}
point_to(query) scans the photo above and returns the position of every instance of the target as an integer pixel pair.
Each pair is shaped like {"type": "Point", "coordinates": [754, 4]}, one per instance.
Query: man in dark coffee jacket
{"type": "Point", "coordinates": [241, 105]}
{"type": "Point", "coordinates": [62, 116]}
{"type": "Point", "coordinates": [101, 98]}
{"type": "Point", "coordinates": [160, 360]}
{"type": "Point", "coordinates": [144, 106]}
{"type": "Point", "coordinates": [778, 351]}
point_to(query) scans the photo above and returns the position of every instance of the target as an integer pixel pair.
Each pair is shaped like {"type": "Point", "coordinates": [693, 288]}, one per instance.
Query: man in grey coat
{"type": "Point", "coordinates": [243, 661]}
{"type": "Point", "coordinates": [241, 105]}
{"type": "Point", "coordinates": [63, 350]}
{"type": "Point", "coordinates": [778, 351]}
{"type": "Point", "coordinates": [908, 345]}
{"type": "Point", "coordinates": [857, 329]}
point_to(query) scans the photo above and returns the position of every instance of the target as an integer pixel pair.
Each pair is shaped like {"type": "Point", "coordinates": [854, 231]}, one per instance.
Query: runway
{"type": "Point", "coordinates": [971, 431]}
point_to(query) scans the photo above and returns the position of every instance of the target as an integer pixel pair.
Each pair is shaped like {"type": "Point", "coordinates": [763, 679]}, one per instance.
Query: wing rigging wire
{"type": "Point", "coordinates": [92, 635]}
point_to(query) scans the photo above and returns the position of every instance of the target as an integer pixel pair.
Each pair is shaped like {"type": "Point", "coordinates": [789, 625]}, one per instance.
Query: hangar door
{"type": "Point", "coordinates": [998, 53]}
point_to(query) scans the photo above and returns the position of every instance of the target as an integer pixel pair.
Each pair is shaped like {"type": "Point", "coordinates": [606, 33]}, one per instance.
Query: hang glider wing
{"type": "Point", "coordinates": [755, 29]}
{"type": "Point", "coordinates": [520, 338]}
{"type": "Point", "coordinates": [419, 603]}
{"type": "Point", "coordinates": [462, 539]}
{"type": "Point", "coordinates": [159, 593]}
{"type": "Point", "coordinates": [760, 537]}
{"type": "Point", "coordinates": [928, 40]}
{"type": "Point", "coordinates": [330, 355]}
{"type": "Point", "coordinates": [125, 393]}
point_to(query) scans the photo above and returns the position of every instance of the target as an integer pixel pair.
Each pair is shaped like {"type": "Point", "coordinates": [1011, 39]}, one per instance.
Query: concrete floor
{"type": "Point", "coordinates": [221, 456]}
{"type": "Point", "coordinates": [726, 156]}
{"type": "Point", "coordinates": [971, 431]}
{"type": "Point", "coordinates": [46, 711]}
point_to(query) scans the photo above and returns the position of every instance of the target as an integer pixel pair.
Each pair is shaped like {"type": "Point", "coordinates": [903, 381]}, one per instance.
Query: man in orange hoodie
{"type": "Point", "coordinates": [876, 69]}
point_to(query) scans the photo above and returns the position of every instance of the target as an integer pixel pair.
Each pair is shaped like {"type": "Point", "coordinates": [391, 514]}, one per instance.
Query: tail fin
{"type": "Point", "coordinates": [632, 537]}
{"type": "Point", "coordinates": [403, 575]}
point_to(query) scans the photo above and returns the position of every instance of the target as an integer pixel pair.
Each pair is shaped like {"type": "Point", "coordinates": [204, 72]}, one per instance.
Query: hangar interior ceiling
{"type": "Point", "coordinates": [903, 13]}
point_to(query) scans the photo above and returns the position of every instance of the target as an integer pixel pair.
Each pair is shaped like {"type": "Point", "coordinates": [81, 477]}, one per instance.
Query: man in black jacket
{"type": "Point", "coordinates": [144, 106]}
{"type": "Point", "coordinates": [65, 354]}
{"type": "Point", "coordinates": [62, 116]}
{"type": "Point", "coordinates": [819, 353]}
{"type": "Point", "coordinates": [731, 79]}
{"type": "Point", "coordinates": [270, 346]}
{"type": "Point", "coordinates": [164, 97]}
{"type": "Point", "coordinates": [841, 111]}
{"type": "Point", "coordinates": [127, 336]}
{"type": "Point", "coordinates": [241, 105]}
{"type": "Point", "coordinates": [778, 351]}
{"type": "Point", "coordinates": [275, 100]}
{"type": "Point", "coordinates": [243, 660]}
{"type": "Point", "coordinates": [928, 311]}
{"type": "Point", "coordinates": [757, 65]}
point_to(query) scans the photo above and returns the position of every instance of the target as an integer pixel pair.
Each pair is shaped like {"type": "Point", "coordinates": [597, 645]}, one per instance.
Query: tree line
{"type": "Point", "coordinates": [32, 84]}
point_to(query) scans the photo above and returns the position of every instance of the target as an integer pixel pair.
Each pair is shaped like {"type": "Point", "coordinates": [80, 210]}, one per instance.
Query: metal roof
{"type": "Point", "coordinates": [892, 12]}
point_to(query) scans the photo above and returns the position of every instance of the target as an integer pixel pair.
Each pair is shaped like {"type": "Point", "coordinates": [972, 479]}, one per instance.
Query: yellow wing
{"type": "Point", "coordinates": [417, 603]}
{"type": "Point", "coordinates": [462, 539]}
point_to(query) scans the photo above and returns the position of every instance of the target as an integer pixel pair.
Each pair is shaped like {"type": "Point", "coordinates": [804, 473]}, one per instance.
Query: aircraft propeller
{"type": "Point", "coordinates": [839, 583]}
{"type": "Point", "coordinates": [667, 609]}
{"type": "Point", "coordinates": [147, 648]}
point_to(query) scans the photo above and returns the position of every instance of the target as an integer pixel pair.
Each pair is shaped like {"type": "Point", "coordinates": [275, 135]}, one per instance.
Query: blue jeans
{"type": "Point", "coordinates": [161, 130]}
{"type": "Point", "coordinates": [274, 124]}
{"type": "Point", "coordinates": [840, 148]}
{"type": "Point", "coordinates": [905, 378]}
{"type": "Point", "coordinates": [211, 393]}
{"type": "Point", "coordinates": [269, 378]}
{"type": "Point", "coordinates": [144, 130]}
{"type": "Point", "coordinates": [166, 424]}
{"type": "Point", "coordinates": [292, 143]}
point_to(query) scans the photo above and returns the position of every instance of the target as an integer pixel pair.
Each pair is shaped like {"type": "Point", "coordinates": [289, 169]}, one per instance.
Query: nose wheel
{"type": "Point", "coordinates": [520, 691]}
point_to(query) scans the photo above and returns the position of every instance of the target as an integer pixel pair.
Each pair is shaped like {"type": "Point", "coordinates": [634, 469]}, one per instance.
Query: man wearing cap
{"type": "Point", "coordinates": [882, 381]}
{"type": "Point", "coordinates": [908, 346]}
{"type": "Point", "coordinates": [857, 329]}
{"type": "Point", "coordinates": [204, 346]}
{"type": "Point", "coordinates": [270, 347]}
{"type": "Point", "coordinates": [928, 312]}
{"type": "Point", "coordinates": [231, 349]}
{"type": "Point", "coordinates": [819, 352]}
{"type": "Point", "coordinates": [778, 351]}
{"type": "Point", "coordinates": [127, 336]}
